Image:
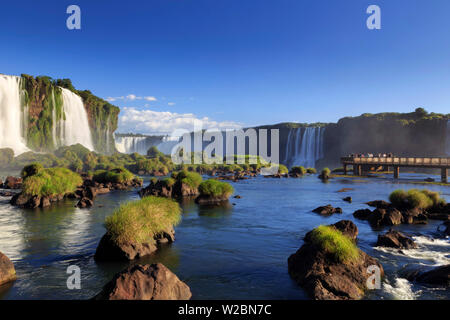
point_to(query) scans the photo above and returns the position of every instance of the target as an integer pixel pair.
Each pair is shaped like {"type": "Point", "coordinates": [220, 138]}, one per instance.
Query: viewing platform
{"type": "Point", "coordinates": [397, 162]}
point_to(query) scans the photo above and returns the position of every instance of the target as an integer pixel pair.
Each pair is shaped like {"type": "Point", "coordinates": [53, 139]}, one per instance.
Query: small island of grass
{"type": "Point", "coordinates": [214, 192]}
{"type": "Point", "coordinates": [136, 228]}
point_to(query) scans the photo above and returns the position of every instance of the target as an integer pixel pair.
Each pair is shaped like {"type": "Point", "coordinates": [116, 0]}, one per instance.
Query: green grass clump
{"type": "Point", "coordinates": [31, 170]}
{"type": "Point", "coordinates": [193, 179]}
{"type": "Point", "coordinates": [168, 182]}
{"type": "Point", "coordinates": [415, 198]}
{"type": "Point", "coordinates": [139, 221]}
{"type": "Point", "coordinates": [325, 173]}
{"type": "Point", "coordinates": [215, 188]}
{"type": "Point", "coordinates": [311, 170]}
{"type": "Point", "coordinates": [298, 170]}
{"type": "Point", "coordinates": [282, 169]}
{"type": "Point", "coordinates": [51, 182]}
{"type": "Point", "coordinates": [331, 240]}
{"type": "Point", "coordinates": [116, 175]}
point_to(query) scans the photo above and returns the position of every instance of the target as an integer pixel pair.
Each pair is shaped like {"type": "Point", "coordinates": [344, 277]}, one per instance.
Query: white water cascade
{"type": "Point", "coordinates": [11, 116]}
{"type": "Point", "coordinates": [447, 137]}
{"type": "Point", "coordinates": [132, 144]}
{"type": "Point", "coordinates": [304, 146]}
{"type": "Point", "coordinates": [75, 127]}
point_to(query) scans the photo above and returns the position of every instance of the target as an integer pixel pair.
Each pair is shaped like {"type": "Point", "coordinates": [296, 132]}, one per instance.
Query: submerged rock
{"type": "Point", "coordinates": [348, 199]}
{"type": "Point", "coordinates": [323, 277]}
{"type": "Point", "coordinates": [380, 204]}
{"type": "Point", "coordinates": [109, 250]}
{"type": "Point", "coordinates": [327, 210]}
{"type": "Point", "coordinates": [438, 276]}
{"type": "Point", "coordinates": [395, 239]}
{"type": "Point", "coordinates": [7, 271]}
{"type": "Point", "coordinates": [145, 282]}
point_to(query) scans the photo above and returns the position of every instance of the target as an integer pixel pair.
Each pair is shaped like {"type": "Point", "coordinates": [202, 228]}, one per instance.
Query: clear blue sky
{"type": "Point", "coordinates": [249, 61]}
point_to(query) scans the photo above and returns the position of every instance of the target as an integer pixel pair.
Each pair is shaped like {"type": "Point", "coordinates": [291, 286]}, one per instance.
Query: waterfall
{"type": "Point", "coordinates": [304, 146]}
{"type": "Point", "coordinates": [167, 144]}
{"type": "Point", "coordinates": [74, 125]}
{"type": "Point", "coordinates": [447, 147]}
{"type": "Point", "coordinates": [11, 117]}
{"type": "Point", "coordinates": [132, 144]}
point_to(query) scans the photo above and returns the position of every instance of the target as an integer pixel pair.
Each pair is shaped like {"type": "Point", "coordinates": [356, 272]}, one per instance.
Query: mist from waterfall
{"type": "Point", "coordinates": [75, 126]}
{"type": "Point", "coordinates": [11, 116]}
{"type": "Point", "coordinates": [304, 146]}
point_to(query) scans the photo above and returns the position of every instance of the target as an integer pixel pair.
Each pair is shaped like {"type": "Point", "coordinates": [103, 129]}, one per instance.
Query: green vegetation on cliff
{"type": "Point", "coordinates": [42, 98]}
{"type": "Point", "coordinates": [140, 221]}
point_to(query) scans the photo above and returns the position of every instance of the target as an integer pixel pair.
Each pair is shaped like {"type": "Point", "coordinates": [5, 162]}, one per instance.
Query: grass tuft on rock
{"type": "Point", "coordinates": [193, 179]}
{"type": "Point", "coordinates": [331, 240]}
{"type": "Point", "coordinates": [214, 188]}
{"type": "Point", "coordinates": [51, 182]}
{"type": "Point", "coordinates": [415, 199]}
{"type": "Point", "coordinates": [139, 221]}
{"type": "Point", "coordinates": [300, 170]}
{"type": "Point", "coordinates": [116, 175]}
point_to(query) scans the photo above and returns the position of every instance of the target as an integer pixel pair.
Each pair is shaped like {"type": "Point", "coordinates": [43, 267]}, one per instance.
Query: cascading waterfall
{"type": "Point", "coordinates": [74, 126]}
{"type": "Point", "coordinates": [304, 146]}
{"type": "Point", "coordinates": [11, 116]}
{"type": "Point", "coordinates": [167, 144]}
{"type": "Point", "coordinates": [132, 144]}
{"type": "Point", "coordinates": [447, 147]}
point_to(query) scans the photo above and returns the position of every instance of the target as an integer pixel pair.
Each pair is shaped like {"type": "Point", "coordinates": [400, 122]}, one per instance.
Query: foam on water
{"type": "Point", "coordinates": [400, 290]}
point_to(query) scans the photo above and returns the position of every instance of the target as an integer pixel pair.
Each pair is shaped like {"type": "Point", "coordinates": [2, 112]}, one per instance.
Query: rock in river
{"type": "Point", "coordinates": [7, 271]}
{"type": "Point", "coordinates": [395, 239]}
{"type": "Point", "coordinates": [145, 282]}
{"type": "Point", "coordinates": [327, 210]}
{"type": "Point", "coordinates": [325, 278]}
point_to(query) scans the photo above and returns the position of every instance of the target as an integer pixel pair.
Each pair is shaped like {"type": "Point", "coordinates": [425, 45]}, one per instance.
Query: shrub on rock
{"type": "Point", "coordinates": [214, 191]}
{"type": "Point", "coordinates": [135, 229]}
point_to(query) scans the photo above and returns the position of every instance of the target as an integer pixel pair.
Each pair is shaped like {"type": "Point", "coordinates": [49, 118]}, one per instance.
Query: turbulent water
{"type": "Point", "coordinates": [234, 252]}
{"type": "Point", "coordinates": [75, 125]}
{"type": "Point", "coordinates": [11, 117]}
{"type": "Point", "coordinates": [304, 146]}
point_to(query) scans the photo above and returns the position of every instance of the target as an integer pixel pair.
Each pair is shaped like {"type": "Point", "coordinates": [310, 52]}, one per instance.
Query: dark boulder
{"type": "Point", "coordinates": [363, 214]}
{"type": "Point", "coordinates": [85, 203]}
{"type": "Point", "coordinates": [438, 276]}
{"type": "Point", "coordinates": [145, 282]}
{"type": "Point", "coordinates": [348, 199]}
{"type": "Point", "coordinates": [395, 239]}
{"type": "Point", "coordinates": [327, 210]}
{"type": "Point", "coordinates": [7, 271]}
{"type": "Point", "coordinates": [109, 250]}
{"type": "Point", "coordinates": [380, 204]}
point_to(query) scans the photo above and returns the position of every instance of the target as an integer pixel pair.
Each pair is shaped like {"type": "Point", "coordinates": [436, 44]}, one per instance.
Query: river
{"type": "Point", "coordinates": [234, 252]}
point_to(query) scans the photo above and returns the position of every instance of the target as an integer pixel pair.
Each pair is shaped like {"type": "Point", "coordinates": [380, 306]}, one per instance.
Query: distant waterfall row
{"type": "Point", "coordinates": [141, 144]}
{"type": "Point", "coordinates": [69, 127]}
{"type": "Point", "coordinates": [304, 146]}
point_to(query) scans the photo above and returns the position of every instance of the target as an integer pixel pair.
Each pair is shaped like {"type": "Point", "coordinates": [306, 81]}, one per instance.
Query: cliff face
{"type": "Point", "coordinates": [43, 108]}
{"type": "Point", "coordinates": [418, 133]}
{"type": "Point", "coordinates": [408, 134]}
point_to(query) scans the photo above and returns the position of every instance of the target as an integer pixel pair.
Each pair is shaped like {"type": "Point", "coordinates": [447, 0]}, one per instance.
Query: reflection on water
{"type": "Point", "coordinates": [234, 251]}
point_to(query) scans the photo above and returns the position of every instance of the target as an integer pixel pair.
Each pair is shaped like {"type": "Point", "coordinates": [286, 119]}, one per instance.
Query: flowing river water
{"type": "Point", "coordinates": [234, 252]}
